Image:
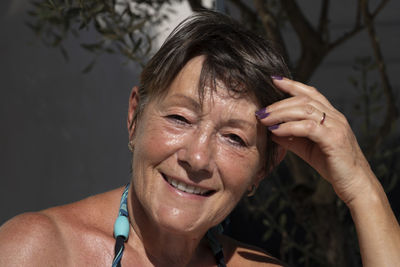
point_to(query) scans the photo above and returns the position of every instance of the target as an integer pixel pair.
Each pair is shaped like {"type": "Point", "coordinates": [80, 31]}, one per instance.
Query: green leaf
{"type": "Point", "coordinates": [136, 26]}
{"type": "Point", "coordinates": [267, 234]}
{"type": "Point", "coordinates": [56, 40]}
{"type": "Point", "coordinates": [109, 50]}
{"type": "Point", "coordinates": [52, 4]}
{"type": "Point", "coordinates": [266, 222]}
{"type": "Point", "coordinates": [110, 36]}
{"type": "Point", "coordinates": [353, 81]}
{"type": "Point", "coordinates": [137, 45]}
{"type": "Point", "coordinates": [96, 9]}
{"type": "Point", "coordinates": [93, 47]}
{"type": "Point", "coordinates": [35, 28]}
{"type": "Point", "coordinates": [64, 53]}
{"type": "Point", "coordinates": [73, 12]}
{"type": "Point", "coordinates": [283, 219]}
{"type": "Point", "coordinates": [89, 67]}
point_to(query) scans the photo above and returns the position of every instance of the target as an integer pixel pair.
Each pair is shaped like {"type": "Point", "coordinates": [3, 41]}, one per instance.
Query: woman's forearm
{"type": "Point", "coordinates": [377, 228]}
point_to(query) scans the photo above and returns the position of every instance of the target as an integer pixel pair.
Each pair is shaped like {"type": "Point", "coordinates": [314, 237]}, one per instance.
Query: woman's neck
{"type": "Point", "coordinates": [160, 246]}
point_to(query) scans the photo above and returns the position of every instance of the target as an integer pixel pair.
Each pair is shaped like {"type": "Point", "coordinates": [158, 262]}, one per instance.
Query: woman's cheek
{"type": "Point", "coordinates": [162, 140]}
{"type": "Point", "coordinates": [238, 167]}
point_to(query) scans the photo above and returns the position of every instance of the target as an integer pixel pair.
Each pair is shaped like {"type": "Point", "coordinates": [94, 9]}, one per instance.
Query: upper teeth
{"type": "Point", "coordinates": [186, 188]}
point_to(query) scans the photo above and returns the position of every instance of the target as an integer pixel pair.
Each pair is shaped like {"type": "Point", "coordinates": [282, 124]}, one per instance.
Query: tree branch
{"type": "Point", "coordinates": [392, 112]}
{"type": "Point", "coordinates": [358, 26]}
{"type": "Point", "coordinates": [196, 5]}
{"type": "Point", "coordinates": [357, 21]}
{"type": "Point", "coordinates": [313, 47]}
{"type": "Point", "coordinates": [271, 28]}
{"type": "Point", "coordinates": [306, 33]}
{"type": "Point", "coordinates": [244, 8]}
{"type": "Point", "coordinates": [323, 19]}
{"type": "Point", "coordinates": [247, 14]}
{"type": "Point", "coordinates": [381, 5]}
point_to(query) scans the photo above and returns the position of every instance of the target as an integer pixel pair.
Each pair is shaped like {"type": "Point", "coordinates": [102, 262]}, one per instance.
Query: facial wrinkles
{"type": "Point", "coordinates": [246, 125]}
{"type": "Point", "coordinates": [219, 117]}
{"type": "Point", "coordinates": [170, 138]}
{"type": "Point", "coordinates": [205, 136]}
{"type": "Point", "coordinates": [219, 113]}
{"type": "Point", "coordinates": [234, 115]}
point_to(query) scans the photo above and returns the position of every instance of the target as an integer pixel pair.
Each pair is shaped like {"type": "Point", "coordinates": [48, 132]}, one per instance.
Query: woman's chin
{"type": "Point", "coordinates": [182, 221]}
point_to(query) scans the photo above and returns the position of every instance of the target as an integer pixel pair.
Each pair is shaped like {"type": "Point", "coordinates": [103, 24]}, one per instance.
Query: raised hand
{"type": "Point", "coordinates": [308, 125]}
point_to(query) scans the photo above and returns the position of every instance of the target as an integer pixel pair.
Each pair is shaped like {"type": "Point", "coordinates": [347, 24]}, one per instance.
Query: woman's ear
{"type": "Point", "coordinates": [133, 105]}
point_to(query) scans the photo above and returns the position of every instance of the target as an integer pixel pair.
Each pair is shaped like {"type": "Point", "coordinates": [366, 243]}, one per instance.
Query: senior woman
{"type": "Point", "coordinates": [212, 116]}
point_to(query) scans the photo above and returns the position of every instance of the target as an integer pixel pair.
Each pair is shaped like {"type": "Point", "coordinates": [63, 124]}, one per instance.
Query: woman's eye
{"type": "Point", "coordinates": [178, 119]}
{"type": "Point", "coordinates": [236, 140]}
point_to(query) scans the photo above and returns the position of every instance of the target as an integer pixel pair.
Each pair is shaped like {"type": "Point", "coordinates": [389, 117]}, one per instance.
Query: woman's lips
{"type": "Point", "coordinates": [190, 189]}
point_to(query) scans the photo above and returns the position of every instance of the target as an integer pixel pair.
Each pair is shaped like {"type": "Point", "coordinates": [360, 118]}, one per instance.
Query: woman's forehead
{"type": "Point", "coordinates": [187, 83]}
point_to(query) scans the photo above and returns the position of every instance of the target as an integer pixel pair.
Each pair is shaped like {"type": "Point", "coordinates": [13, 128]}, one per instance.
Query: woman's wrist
{"type": "Point", "coordinates": [368, 191]}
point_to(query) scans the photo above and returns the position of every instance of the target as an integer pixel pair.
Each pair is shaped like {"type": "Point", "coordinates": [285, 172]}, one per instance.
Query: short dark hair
{"type": "Point", "coordinates": [234, 56]}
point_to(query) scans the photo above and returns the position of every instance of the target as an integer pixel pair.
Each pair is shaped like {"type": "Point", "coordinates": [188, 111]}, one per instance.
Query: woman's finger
{"type": "Point", "coordinates": [307, 103]}
{"type": "Point", "coordinates": [293, 113]}
{"type": "Point", "coordinates": [308, 139]}
{"type": "Point", "coordinates": [295, 88]}
{"type": "Point", "coordinates": [325, 133]}
{"type": "Point", "coordinates": [311, 129]}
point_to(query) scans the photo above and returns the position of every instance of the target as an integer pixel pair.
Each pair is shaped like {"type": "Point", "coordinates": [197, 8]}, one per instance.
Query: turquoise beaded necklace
{"type": "Point", "coordinates": [121, 228]}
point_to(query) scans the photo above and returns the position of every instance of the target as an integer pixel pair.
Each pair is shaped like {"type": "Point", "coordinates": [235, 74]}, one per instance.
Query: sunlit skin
{"type": "Point", "coordinates": [217, 146]}
{"type": "Point", "coordinates": [330, 147]}
{"type": "Point", "coordinates": [217, 151]}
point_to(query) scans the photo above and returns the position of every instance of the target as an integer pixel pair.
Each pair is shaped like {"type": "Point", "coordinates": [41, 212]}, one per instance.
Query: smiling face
{"type": "Point", "coordinates": [193, 162]}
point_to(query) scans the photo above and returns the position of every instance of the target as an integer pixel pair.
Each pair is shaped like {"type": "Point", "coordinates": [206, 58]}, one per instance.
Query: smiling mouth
{"type": "Point", "coordinates": [181, 186]}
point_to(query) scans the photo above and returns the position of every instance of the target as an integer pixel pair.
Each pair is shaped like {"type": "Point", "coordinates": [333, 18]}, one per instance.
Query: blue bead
{"type": "Point", "coordinates": [121, 227]}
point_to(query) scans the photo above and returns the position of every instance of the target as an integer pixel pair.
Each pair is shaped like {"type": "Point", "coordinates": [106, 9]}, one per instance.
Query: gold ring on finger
{"type": "Point", "coordinates": [323, 118]}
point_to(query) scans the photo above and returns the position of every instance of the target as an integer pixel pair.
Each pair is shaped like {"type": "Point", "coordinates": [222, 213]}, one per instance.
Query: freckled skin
{"type": "Point", "coordinates": [197, 147]}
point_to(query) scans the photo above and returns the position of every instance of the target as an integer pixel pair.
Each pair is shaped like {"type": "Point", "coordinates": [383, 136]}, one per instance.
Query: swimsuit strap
{"type": "Point", "coordinates": [216, 247]}
{"type": "Point", "coordinates": [121, 234]}
{"type": "Point", "coordinates": [121, 228]}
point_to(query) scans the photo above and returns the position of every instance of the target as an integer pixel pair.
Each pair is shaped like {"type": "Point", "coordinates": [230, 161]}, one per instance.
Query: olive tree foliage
{"type": "Point", "coordinates": [123, 26]}
{"type": "Point", "coordinates": [298, 210]}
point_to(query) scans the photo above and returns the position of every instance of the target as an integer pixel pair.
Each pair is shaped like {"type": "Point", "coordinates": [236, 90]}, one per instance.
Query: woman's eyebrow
{"type": "Point", "coordinates": [239, 123]}
{"type": "Point", "coordinates": [186, 101]}
{"type": "Point", "coordinates": [191, 103]}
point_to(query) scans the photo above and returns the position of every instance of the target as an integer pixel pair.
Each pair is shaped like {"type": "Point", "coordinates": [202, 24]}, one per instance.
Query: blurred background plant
{"type": "Point", "coordinates": [301, 220]}
{"type": "Point", "coordinates": [123, 26]}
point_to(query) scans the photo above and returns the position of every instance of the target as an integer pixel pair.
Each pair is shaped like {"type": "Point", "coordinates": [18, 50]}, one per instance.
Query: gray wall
{"type": "Point", "coordinates": [63, 133]}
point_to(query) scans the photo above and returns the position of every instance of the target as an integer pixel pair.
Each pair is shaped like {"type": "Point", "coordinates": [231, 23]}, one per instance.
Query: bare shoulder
{"type": "Point", "coordinates": [31, 239]}
{"type": "Point", "coordinates": [56, 236]}
{"type": "Point", "coordinates": [240, 254]}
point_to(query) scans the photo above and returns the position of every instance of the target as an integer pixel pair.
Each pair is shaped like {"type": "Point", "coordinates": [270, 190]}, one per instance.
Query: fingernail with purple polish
{"type": "Point", "coordinates": [276, 77]}
{"type": "Point", "coordinates": [262, 113]}
{"type": "Point", "coordinates": [273, 127]}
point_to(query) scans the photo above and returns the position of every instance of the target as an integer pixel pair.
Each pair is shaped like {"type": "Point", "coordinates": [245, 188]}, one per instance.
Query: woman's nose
{"type": "Point", "coordinates": [197, 153]}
